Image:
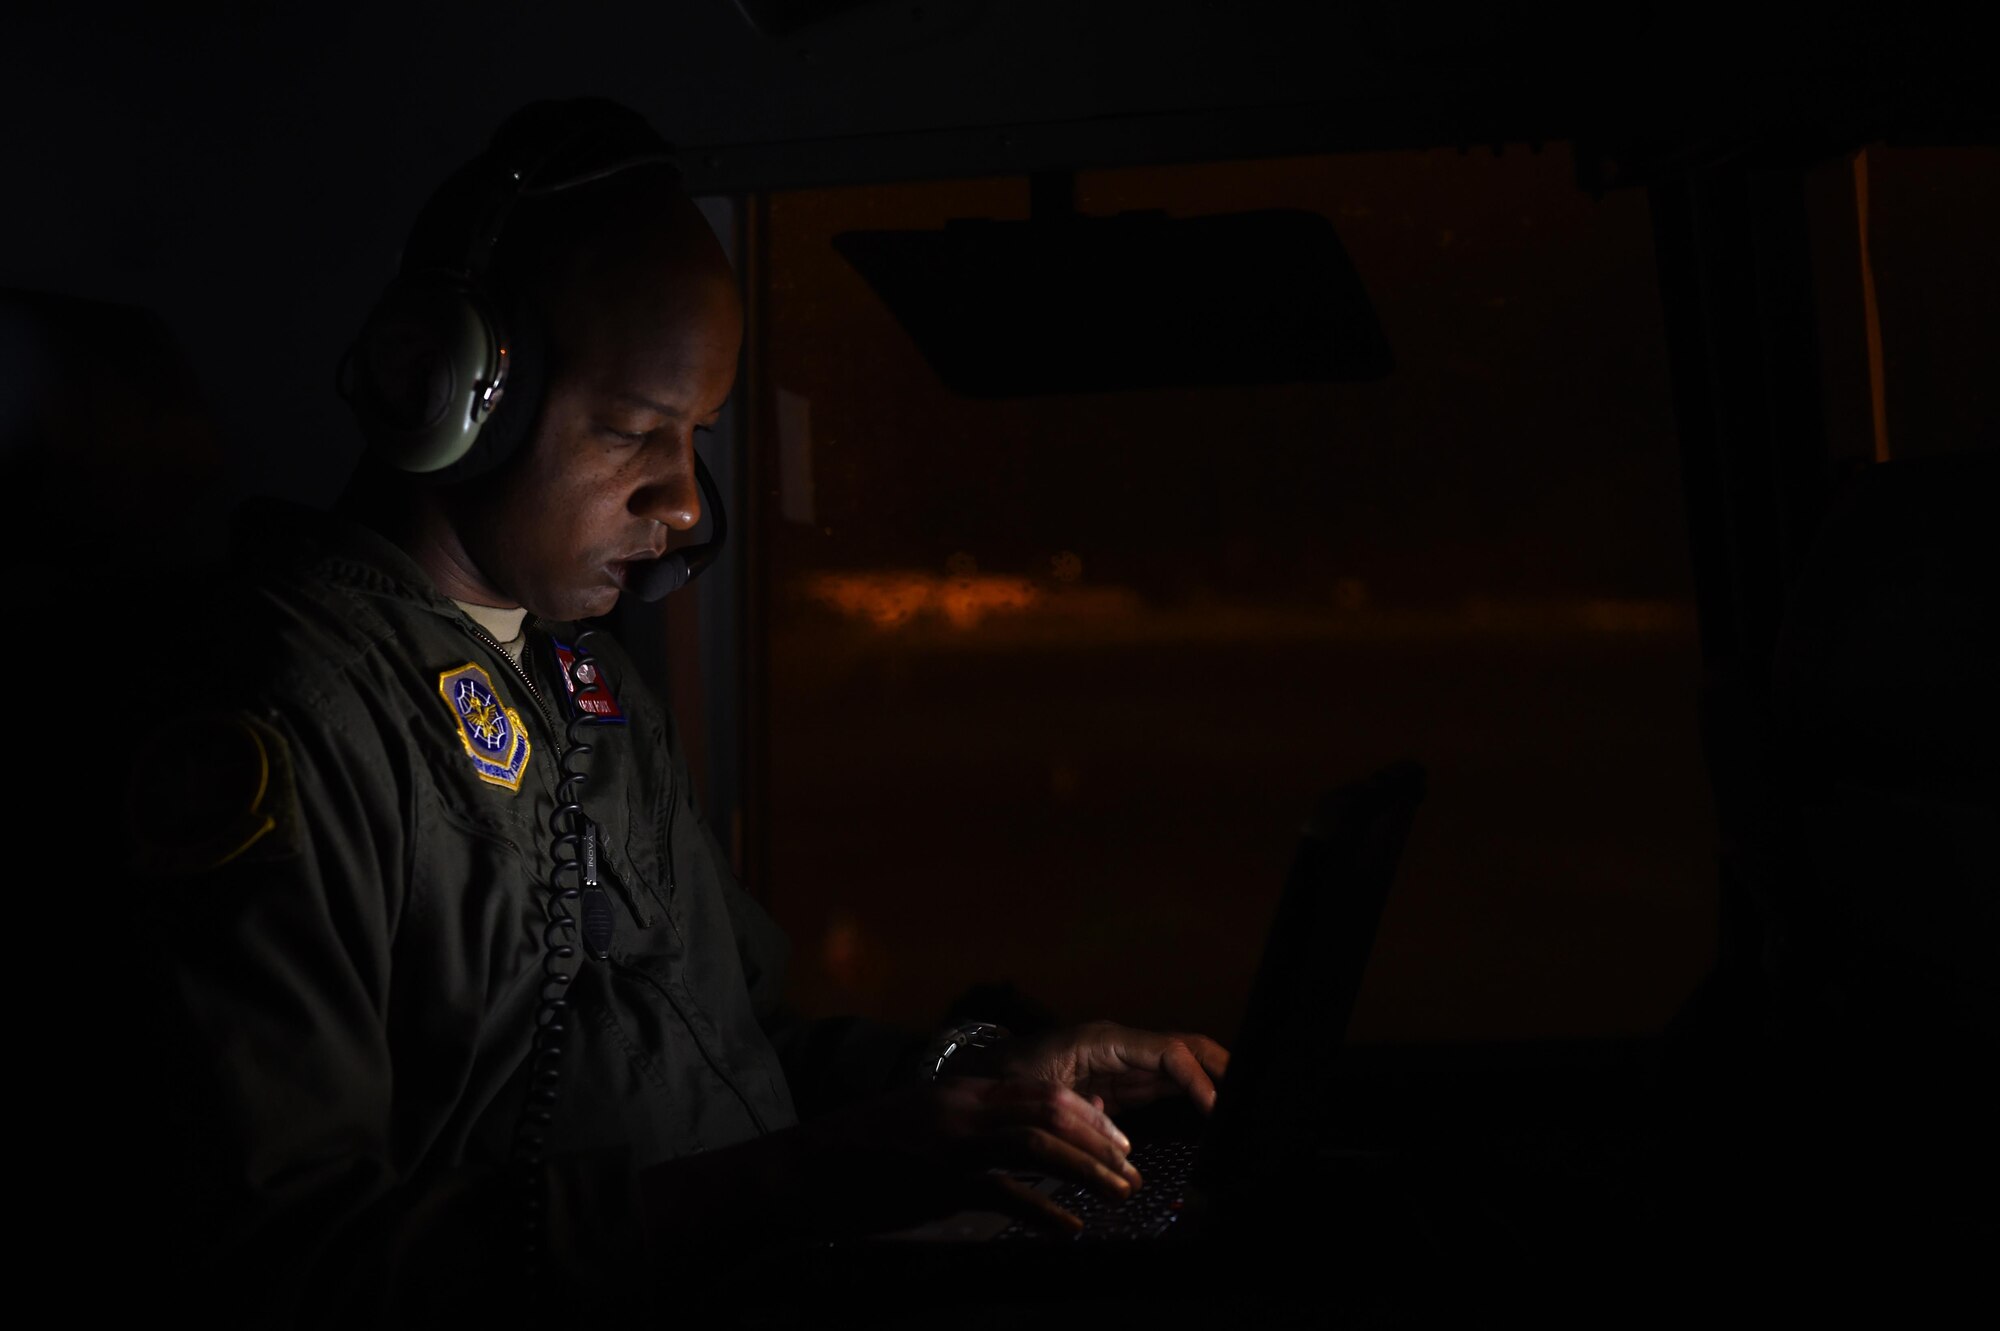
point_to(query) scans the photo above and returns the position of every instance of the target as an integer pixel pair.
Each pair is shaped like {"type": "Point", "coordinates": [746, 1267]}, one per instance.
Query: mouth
{"type": "Point", "coordinates": [624, 567]}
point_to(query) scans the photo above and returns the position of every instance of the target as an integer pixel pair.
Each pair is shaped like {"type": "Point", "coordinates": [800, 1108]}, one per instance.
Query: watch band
{"type": "Point", "coordinates": [969, 1035]}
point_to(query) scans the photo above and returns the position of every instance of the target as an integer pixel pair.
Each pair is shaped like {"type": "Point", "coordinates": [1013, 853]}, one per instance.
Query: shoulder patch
{"type": "Point", "coordinates": [492, 733]}
{"type": "Point", "coordinates": [206, 790]}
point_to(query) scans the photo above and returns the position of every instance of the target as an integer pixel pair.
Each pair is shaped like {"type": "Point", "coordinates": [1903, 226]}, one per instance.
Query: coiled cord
{"type": "Point", "coordinates": [571, 851]}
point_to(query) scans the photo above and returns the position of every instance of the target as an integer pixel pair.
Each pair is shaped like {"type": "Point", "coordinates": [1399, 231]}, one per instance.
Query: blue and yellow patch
{"type": "Point", "coordinates": [491, 731]}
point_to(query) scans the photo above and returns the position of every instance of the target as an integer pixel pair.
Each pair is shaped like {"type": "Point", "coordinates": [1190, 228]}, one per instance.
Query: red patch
{"type": "Point", "coordinates": [588, 691]}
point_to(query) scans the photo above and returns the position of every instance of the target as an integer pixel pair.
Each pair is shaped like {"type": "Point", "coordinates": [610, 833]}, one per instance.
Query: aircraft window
{"type": "Point", "coordinates": [1082, 659]}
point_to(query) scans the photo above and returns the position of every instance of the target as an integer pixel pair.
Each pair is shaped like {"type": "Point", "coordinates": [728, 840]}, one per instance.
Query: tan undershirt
{"type": "Point", "coordinates": [508, 627]}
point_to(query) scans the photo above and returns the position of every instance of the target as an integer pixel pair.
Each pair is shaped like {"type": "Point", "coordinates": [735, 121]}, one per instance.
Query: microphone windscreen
{"type": "Point", "coordinates": [655, 581]}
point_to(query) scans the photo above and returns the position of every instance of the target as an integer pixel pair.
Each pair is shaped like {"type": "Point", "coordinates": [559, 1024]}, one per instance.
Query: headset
{"type": "Point", "coordinates": [447, 376]}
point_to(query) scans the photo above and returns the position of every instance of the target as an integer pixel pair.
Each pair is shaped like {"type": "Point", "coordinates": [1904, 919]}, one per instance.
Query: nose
{"type": "Point", "coordinates": [670, 493]}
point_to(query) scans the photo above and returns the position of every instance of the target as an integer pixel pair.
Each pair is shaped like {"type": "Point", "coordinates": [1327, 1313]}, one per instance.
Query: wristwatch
{"type": "Point", "coordinates": [954, 1042]}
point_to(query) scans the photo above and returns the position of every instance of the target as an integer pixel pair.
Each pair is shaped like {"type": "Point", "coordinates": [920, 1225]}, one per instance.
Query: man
{"type": "Point", "coordinates": [405, 1084]}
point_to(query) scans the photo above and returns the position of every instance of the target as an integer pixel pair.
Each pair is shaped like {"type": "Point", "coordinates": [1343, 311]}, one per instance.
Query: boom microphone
{"type": "Point", "coordinates": [672, 572]}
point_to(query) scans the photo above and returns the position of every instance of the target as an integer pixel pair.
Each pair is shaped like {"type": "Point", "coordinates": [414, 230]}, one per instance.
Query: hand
{"type": "Point", "coordinates": [941, 1147]}
{"type": "Point", "coordinates": [1120, 1068]}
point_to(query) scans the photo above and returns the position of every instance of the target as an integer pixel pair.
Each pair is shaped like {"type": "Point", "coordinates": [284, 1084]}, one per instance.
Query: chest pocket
{"type": "Point", "coordinates": [628, 794]}
{"type": "Point", "coordinates": [478, 853]}
{"type": "Point", "coordinates": [628, 781]}
{"type": "Point", "coordinates": [474, 805]}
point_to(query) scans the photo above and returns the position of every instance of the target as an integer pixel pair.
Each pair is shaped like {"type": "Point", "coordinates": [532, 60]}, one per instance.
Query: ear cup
{"type": "Point", "coordinates": [507, 427]}
{"type": "Point", "coordinates": [423, 371]}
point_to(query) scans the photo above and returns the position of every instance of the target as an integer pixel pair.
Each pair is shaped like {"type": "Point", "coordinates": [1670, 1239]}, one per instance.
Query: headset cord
{"type": "Point", "coordinates": [573, 877]}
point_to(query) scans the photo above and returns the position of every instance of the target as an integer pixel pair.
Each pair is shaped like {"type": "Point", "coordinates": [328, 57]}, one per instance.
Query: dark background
{"type": "Point", "coordinates": [247, 170]}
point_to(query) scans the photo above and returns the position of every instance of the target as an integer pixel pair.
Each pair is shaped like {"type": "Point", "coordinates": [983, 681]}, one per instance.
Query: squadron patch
{"type": "Point", "coordinates": [491, 731]}
{"type": "Point", "coordinates": [205, 790]}
{"type": "Point", "coordinates": [585, 686]}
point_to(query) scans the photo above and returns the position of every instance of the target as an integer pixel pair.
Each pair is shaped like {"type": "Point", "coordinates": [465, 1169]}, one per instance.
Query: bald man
{"type": "Point", "coordinates": [347, 822]}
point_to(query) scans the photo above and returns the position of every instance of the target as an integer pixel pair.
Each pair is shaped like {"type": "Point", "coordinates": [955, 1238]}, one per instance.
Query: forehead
{"type": "Point", "coordinates": [647, 324]}
{"type": "Point", "coordinates": [628, 278]}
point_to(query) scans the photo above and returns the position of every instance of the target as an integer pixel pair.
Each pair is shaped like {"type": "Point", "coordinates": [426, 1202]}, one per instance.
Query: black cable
{"type": "Point", "coordinates": [572, 872]}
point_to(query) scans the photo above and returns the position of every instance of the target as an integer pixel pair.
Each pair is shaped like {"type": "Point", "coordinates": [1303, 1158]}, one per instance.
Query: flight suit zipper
{"type": "Point", "coordinates": [521, 674]}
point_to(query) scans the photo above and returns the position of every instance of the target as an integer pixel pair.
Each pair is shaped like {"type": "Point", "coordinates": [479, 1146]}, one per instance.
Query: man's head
{"type": "Point", "coordinates": [643, 325]}
{"type": "Point", "coordinates": [637, 309]}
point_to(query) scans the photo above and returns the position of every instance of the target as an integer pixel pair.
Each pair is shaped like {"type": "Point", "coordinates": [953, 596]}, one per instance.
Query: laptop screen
{"type": "Point", "coordinates": [1278, 1098]}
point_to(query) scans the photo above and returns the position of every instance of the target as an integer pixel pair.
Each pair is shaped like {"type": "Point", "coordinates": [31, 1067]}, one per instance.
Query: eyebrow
{"type": "Point", "coordinates": [642, 400]}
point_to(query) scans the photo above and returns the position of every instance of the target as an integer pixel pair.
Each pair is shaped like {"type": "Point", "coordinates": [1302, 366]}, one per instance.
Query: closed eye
{"type": "Point", "coordinates": [641, 436]}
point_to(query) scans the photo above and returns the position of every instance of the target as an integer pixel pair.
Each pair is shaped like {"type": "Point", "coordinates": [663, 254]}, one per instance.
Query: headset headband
{"type": "Point", "coordinates": [459, 227]}
{"type": "Point", "coordinates": [442, 350]}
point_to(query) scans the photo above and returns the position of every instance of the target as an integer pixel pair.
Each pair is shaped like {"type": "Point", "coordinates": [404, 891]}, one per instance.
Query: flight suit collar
{"type": "Point", "coordinates": [270, 532]}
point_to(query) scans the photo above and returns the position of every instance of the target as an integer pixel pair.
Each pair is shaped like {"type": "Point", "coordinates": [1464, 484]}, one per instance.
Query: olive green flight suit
{"type": "Point", "coordinates": [348, 950]}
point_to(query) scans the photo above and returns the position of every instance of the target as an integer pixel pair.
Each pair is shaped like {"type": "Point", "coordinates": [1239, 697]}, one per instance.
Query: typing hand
{"type": "Point", "coordinates": [1121, 1068]}
{"type": "Point", "coordinates": [946, 1146]}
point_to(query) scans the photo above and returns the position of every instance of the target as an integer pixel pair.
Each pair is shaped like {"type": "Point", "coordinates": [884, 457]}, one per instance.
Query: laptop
{"type": "Point", "coordinates": [1239, 1167]}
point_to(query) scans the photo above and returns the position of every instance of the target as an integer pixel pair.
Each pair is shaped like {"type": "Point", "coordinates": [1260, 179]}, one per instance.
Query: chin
{"type": "Point", "coordinates": [592, 603]}
{"type": "Point", "coordinates": [579, 603]}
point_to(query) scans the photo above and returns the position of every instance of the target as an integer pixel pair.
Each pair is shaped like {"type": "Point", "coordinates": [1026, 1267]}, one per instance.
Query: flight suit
{"type": "Point", "coordinates": [344, 830]}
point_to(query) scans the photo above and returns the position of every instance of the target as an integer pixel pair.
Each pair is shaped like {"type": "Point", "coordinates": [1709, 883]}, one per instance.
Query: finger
{"type": "Point", "coordinates": [1179, 1063]}
{"type": "Point", "coordinates": [1129, 1090]}
{"type": "Point", "coordinates": [1091, 1130]}
{"type": "Point", "coordinates": [1101, 1121]}
{"type": "Point", "coordinates": [1012, 1197]}
{"type": "Point", "coordinates": [1107, 1137]}
{"type": "Point", "coordinates": [1052, 1153]}
{"type": "Point", "coordinates": [1213, 1058]}
{"type": "Point", "coordinates": [1065, 1114]}
{"type": "Point", "coordinates": [1124, 1164]}
{"type": "Point", "coordinates": [1139, 1085]}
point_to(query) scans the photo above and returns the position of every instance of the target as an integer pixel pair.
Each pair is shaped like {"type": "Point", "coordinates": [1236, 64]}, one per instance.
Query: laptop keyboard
{"type": "Point", "coordinates": [1147, 1213]}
